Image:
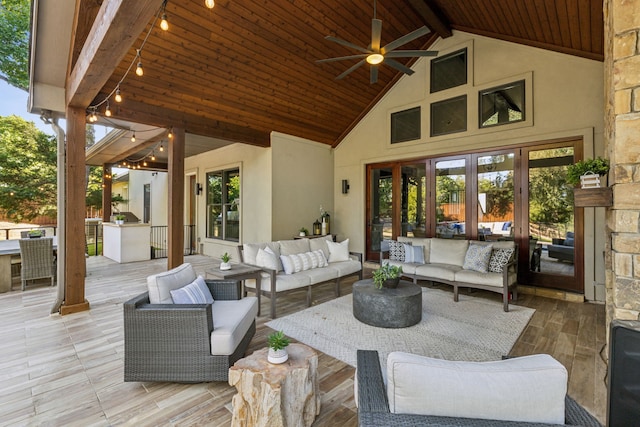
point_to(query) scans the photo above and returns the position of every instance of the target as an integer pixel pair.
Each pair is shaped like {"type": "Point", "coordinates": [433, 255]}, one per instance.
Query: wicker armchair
{"type": "Point", "coordinates": [37, 260]}
{"type": "Point", "coordinates": [373, 405]}
{"type": "Point", "coordinates": [172, 342]}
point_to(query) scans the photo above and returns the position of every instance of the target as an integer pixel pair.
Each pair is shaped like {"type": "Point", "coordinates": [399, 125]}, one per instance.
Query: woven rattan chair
{"type": "Point", "coordinates": [37, 260]}
{"type": "Point", "coordinates": [172, 342]}
{"type": "Point", "coordinates": [373, 404]}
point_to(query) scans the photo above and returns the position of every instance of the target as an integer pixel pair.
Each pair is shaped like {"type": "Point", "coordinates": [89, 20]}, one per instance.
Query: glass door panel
{"type": "Point", "coordinates": [551, 218]}
{"type": "Point", "coordinates": [413, 200]}
{"type": "Point", "coordinates": [380, 209]}
{"type": "Point", "coordinates": [450, 198]}
{"type": "Point", "coordinates": [496, 197]}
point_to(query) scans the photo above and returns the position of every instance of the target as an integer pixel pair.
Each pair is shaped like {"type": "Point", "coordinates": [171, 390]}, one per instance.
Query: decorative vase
{"type": "Point", "coordinates": [225, 266]}
{"type": "Point", "coordinates": [119, 221]}
{"type": "Point", "coordinates": [391, 283]}
{"type": "Point", "coordinates": [277, 356]}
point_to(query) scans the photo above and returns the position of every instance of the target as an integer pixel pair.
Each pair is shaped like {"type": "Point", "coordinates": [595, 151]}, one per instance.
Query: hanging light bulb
{"type": "Point", "coordinates": [170, 134]}
{"type": "Point", "coordinates": [107, 111]}
{"type": "Point", "coordinates": [153, 157]}
{"type": "Point", "coordinates": [144, 163]}
{"type": "Point", "coordinates": [118, 96]}
{"type": "Point", "coordinates": [133, 137]}
{"type": "Point", "coordinates": [139, 70]}
{"type": "Point", "coordinates": [209, 3]}
{"type": "Point", "coordinates": [161, 147]}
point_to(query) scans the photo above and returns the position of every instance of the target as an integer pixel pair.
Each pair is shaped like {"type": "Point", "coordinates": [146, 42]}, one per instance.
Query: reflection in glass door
{"type": "Point", "coordinates": [380, 209]}
{"type": "Point", "coordinates": [450, 198]}
{"type": "Point", "coordinates": [413, 199]}
{"type": "Point", "coordinates": [496, 219]}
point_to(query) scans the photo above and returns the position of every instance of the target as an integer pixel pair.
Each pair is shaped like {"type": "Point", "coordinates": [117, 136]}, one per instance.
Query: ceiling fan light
{"type": "Point", "coordinates": [375, 58]}
{"type": "Point", "coordinates": [209, 3]}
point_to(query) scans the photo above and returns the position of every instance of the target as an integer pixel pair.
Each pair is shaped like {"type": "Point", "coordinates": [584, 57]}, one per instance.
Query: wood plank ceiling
{"type": "Point", "coordinates": [248, 67]}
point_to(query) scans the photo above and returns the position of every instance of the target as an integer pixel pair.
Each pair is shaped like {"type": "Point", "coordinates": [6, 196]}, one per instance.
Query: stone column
{"type": "Point", "coordinates": [622, 138]}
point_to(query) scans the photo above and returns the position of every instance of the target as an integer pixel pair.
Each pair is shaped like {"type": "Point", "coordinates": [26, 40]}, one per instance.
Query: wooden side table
{"type": "Point", "coordinates": [238, 272]}
{"type": "Point", "coordinates": [286, 395]}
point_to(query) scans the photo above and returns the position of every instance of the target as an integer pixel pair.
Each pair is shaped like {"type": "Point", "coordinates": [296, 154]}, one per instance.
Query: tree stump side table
{"type": "Point", "coordinates": [286, 395]}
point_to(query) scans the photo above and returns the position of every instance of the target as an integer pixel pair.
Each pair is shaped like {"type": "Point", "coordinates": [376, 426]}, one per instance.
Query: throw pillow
{"type": "Point", "coordinates": [338, 251]}
{"type": "Point", "coordinates": [413, 254]}
{"type": "Point", "coordinates": [396, 251]}
{"type": "Point", "coordinates": [267, 258]}
{"type": "Point", "coordinates": [477, 258]}
{"type": "Point", "coordinates": [196, 292]}
{"type": "Point", "coordinates": [500, 258]}
{"type": "Point", "coordinates": [295, 263]}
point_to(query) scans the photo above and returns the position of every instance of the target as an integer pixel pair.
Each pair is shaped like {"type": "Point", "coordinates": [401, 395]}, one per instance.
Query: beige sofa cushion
{"type": "Point", "coordinates": [250, 252]}
{"type": "Point", "coordinates": [231, 321]}
{"type": "Point", "coordinates": [523, 389]}
{"type": "Point", "coordinates": [448, 251]}
{"type": "Point", "coordinates": [321, 243]}
{"type": "Point", "coordinates": [160, 285]}
{"type": "Point", "coordinates": [296, 246]}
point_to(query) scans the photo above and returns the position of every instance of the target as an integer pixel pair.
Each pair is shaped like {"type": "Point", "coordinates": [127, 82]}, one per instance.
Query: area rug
{"type": "Point", "coordinates": [474, 329]}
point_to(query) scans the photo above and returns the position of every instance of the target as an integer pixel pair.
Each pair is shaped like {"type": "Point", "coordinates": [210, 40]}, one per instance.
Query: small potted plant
{"type": "Point", "coordinates": [278, 343]}
{"type": "Point", "coordinates": [387, 276]}
{"type": "Point", "coordinates": [597, 166]}
{"type": "Point", "coordinates": [34, 234]}
{"type": "Point", "coordinates": [120, 219]}
{"type": "Point", "coordinates": [303, 231]}
{"type": "Point", "coordinates": [225, 265]}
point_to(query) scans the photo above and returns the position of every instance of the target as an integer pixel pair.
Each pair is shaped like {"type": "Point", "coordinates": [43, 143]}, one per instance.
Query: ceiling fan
{"type": "Point", "coordinates": [375, 55]}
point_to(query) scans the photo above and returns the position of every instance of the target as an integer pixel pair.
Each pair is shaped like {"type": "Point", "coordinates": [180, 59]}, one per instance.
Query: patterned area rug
{"type": "Point", "coordinates": [473, 329]}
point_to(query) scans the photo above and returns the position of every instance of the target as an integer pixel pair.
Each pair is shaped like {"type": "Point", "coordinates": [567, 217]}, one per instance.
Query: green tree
{"type": "Point", "coordinates": [14, 42]}
{"type": "Point", "coordinates": [28, 185]}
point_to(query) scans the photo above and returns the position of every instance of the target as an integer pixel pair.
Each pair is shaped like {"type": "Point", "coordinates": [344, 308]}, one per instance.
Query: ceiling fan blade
{"type": "Point", "coordinates": [406, 38]}
{"type": "Point", "coordinates": [342, 58]}
{"type": "Point", "coordinates": [376, 31]}
{"type": "Point", "coordinates": [352, 68]}
{"type": "Point", "coordinates": [374, 74]}
{"type": "Point", "coordinates": [347, 44]}
{"type": "Point", "coordinates": [410, 53]}
{"type": "Point", "coordinates": [398, 66]}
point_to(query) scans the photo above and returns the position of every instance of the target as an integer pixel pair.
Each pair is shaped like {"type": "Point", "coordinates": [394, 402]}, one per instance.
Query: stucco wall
{"type": "Point", "coordinates": [255, 193]}
{"type": "Point", "coordinates": [302, 182]}
{"type": "Point", "coordinates": [567, 101]}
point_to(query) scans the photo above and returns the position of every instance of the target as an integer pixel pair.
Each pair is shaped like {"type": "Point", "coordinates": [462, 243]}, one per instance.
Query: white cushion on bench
{"type": "Point", "coordinates": [448, 251]}
{"type": "Point", "coordinates": [160, 285]}
{"type": "Point", "coordinates": [489, 279]}
{"type": "Point", "coordinates": [525, 389]}
{"type": "Point", "coordinates": [231, 321]}
{"type": "Point", "coordinates": [438, 271]}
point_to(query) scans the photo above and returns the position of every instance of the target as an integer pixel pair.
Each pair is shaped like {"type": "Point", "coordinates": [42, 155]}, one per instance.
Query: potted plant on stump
{"type": "Point", "coordinates": [387, 276]}
{"type": "Point", "coordinates": [278, 343]}
{"type": "Point", "coordinates": [588, 174]}
{"type": "Point", "coordinates": [225, 265]}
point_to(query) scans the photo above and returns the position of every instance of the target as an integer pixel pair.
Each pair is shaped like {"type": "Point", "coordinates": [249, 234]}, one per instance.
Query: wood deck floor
{"type": "Point", "coordinates": [69, 370]}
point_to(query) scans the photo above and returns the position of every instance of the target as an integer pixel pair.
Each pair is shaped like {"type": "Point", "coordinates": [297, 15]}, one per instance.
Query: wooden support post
{"type": "Point", "coordinates": [106, 192]}
{"type": "Point", "coordinates": [176, 199]}
{"type": "Point", "coordinates": [74, 233]}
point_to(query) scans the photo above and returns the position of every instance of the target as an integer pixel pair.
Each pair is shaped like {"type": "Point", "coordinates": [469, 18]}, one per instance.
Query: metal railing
{"type": "Point", "coordinates": [159, 241]}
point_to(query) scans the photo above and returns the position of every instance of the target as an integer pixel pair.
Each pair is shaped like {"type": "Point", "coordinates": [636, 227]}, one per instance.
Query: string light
{"type": "Point", "coordinates": [170, 134]}
{"type": "Point", "coordinates": [107, 111]}
{"type": "Point", "coordinates": [164, 24]}
{"type": "Point", "coordinates": [118, 97]}
{"type": "Point", "coordinates": [139, 70]}
{"type": "Point", "coordinates": [161, 148]}
{"type": "Point", "coordinates": [209, 3]}
{"type": "Point", "coordinates": [133, 137]}
{"type": "Point", "coordinates": [153, 157]}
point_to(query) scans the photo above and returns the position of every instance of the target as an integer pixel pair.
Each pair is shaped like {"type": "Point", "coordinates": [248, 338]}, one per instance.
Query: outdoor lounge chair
{"type": "Point", "coordinates": [176, 342]}
{"type": "Point", "coordinates": [373, 404]}
{"type": "Point", "coordinates": [37, 260]}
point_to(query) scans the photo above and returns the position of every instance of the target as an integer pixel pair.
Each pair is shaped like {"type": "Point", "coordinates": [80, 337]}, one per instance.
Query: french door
{"type": "Point", "coordinates": [515, 194]}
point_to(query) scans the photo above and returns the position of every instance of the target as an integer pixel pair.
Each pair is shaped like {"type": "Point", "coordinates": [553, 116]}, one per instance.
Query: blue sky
{"type": "Point", "coordinates": [14, 101]}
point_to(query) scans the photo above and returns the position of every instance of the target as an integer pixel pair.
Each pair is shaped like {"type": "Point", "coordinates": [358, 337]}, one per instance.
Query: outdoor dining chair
{"type": "Point", "coordinates": [37, 260]}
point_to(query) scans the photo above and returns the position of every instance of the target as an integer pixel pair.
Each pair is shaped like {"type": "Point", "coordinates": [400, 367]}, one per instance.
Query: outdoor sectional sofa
{"type": "Point", "coordinates": [491, 266]}
{"type": "Point", "coordinates": [420, 391]}
{"type": "Point", "coordinates": [300, 263]}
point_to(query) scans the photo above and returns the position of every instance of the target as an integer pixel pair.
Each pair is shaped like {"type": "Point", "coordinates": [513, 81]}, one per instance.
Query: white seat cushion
{"type": "Point", "coordinates": [345, 268]}
{"type": "Point", "coordinates": [160, 285]}
{"type": "Point", "coordinates": [438, 271]}
{"type": "Point", "coordinates": [448, 251]}
{"type": "Point", "coordinates": [524, 389]}
{"type": "Point", "coordinates": [475, 277]}
{"type": "Point", "coordinates": [231, 321]}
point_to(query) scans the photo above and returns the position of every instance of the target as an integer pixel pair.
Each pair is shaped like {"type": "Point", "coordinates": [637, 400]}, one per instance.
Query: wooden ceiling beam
{"type": "Point", "coordinates": [139, 112]}
{"type": "Point", "coordinates": [116, 27]}
{"type": "Point", "coordinates": [432, 17]}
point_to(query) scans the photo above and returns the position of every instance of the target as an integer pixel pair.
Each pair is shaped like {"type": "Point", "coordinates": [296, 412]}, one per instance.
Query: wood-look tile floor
{"type": "Point", "coordinates": [68, 370]}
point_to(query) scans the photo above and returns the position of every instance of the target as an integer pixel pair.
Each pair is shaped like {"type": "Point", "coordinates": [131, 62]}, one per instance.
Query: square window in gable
{"type": "Point", "coordinates": [449, 116]}
{"type": "Point", "coordinates": [405, 125]}
{"type": "Point", "coordinates": [449, 71]}
{"type": "Point", "coordinates": [501, 105]}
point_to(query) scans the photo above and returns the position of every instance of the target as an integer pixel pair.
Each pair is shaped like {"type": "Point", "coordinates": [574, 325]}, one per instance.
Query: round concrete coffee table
{"type": "Point", "coordinates": [387, 308]}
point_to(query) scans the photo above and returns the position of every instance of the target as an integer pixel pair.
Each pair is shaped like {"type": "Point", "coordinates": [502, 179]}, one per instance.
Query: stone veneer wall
{"type": "Point", "coordinates": [622, 139]}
